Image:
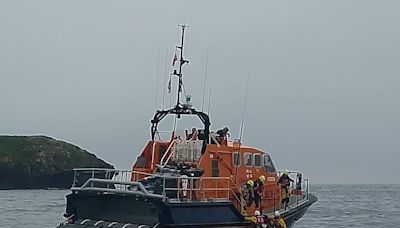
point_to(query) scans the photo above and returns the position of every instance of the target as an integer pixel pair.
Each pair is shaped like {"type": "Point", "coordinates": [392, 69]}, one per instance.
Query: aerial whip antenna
{"type": "Point", "coordinates": [158, 67]}
{"type": "Point", "coordinates": [243, 115]}
{"type": "Point", "coordinates": [244, 106]}
{"type": "Point", "coordinates": [165, 76]}
{"type": "Point", "coordinates": [205, 79]}
{"type": "Point", "coordinates": [209, 102]}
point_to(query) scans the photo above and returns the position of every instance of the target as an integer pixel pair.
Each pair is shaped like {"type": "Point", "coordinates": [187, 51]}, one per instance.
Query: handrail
{"type": "Point", "coordinates": [162, 163]}
{"type": "Point", "coordinates": [89, 185]}
{"type": "Point", "coordinates": [302, 187]}
{"type": "Point", "coordinates": [153, 148]}
{"type": "Point", "coordinates": [196, 188]}
{"type": "Point", "coordinates": [97, 169]}
{"type": "Point", "coordinates": [65, 221]}
{"type": "Point", "coordinates": [212, 136]}
{"type": "Point", "coordinates": [163, 132]}
{"type": "Point", "coordinates": [120, 182]}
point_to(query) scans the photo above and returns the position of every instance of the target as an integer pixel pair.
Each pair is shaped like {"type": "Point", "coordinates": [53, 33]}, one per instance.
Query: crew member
{"type": "Point", "coordinates": [258, 190]}
{"type": "Point", "coordinates": [253, 218]}
{"type": "Point", "coordinates": [279, 222]}
{"type": "Point", "coordinates": [223, 134]}
{"type": "Point", "coordinates": [269, 222]}
{"type": "Point", "coordinates": [259, 219]}
{"type": "Point", "coordinates": [244, 196]}
{"type": "Point", "coordinates": [298, 184]}
{"type": "Point", "coordinates": [249, 192]}
{"type": "Point", "coordinates": [284, 182]}
{"type": "Point", "coordinates": [193, 135]}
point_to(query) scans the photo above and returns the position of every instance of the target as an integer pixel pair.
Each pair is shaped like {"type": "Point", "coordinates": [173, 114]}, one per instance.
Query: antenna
{"type": "Point", "coordinates": [209, 102]}
{"type": "Point", "coordinates": [181, 63]}
{"type": "Point", "coordinates": [158, 67]}
{"type": "Point", "coordinates": [244, 106]}
{"type": "Point", "coordinates": [243, 115]}
{"type": "Point", "coordinates": [205, 79]}
{"type": "Point", "coordinates": [165, 76]}
{"type": "Point", "coordinates": [181, 108]}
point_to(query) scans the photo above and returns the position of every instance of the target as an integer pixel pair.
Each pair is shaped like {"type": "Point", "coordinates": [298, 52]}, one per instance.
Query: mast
{"type": "Point", "coordinates": [181, 109]}
{"type": "Point", "coordinates": [181, 62]}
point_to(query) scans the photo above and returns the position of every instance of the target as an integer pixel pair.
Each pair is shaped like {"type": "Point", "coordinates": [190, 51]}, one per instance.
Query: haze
{"type": "Point", "coordinates": [323, 92]}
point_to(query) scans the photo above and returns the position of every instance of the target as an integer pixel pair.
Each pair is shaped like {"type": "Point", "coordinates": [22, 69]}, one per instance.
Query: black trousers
{"type": "Point", "coordinates": [256, 199]}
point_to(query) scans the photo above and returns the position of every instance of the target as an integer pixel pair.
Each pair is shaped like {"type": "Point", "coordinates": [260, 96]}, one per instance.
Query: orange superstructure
{"type": "Point", "coordinates": [224, 165]}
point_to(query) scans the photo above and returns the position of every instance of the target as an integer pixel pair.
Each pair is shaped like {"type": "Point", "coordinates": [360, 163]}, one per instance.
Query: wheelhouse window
{"type": "Point", "coordinates": [269, 166]}
{"type": "Point", "coordinates": [248, 161]}
{"type": "Point", "coordinates": [257, 160]}
{"type": "Point", "coordinates": [236, 159]}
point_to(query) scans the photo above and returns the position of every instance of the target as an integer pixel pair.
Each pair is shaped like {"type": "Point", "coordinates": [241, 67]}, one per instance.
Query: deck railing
{"type": "Point", "coordinates": [167, 155]}
{"type": "Point", "coordinates": [172, 188]}
{"type": "Point", "coordinates": [299, 189]}
{"type": "Point", "coordinates": [179, 188]}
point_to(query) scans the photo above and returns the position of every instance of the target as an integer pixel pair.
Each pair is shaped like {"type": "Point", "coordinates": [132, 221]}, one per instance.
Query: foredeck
{"type": "Point", "coordinates": [174, 189]}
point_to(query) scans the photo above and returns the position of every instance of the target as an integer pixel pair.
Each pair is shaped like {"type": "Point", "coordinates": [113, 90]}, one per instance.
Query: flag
{"type": "Point", "coordinates": [169, 85]}
{"type": "Point", "coordinates": [174, 60]}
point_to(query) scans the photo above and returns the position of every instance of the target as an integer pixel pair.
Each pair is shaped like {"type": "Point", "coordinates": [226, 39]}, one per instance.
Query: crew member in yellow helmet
{"type": "Point", "coordinates": [284, 182]}
{"type": "Point", "coordinates": [258, 191]}
{"type": "Point", "coordinates": [246, 192]}
{"type": "Point", "coordinates": [279, 220]}
{"type": "Point", "coordinates": [250, 192]}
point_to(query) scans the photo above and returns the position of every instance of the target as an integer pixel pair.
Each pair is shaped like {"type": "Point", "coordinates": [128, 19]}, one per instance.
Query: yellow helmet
{"type": "Point", "coordinates": [286, 172]}
{"type": "Point", "coordinates": [250, 183]}
{"type": "Point", "coordinates": [262, 178]}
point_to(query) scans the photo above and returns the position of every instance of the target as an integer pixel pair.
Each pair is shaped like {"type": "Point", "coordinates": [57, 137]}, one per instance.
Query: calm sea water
{"type": "Point", "coordinates": [354, 206]}
{"type": "Point", "coordinates": [338, 206]}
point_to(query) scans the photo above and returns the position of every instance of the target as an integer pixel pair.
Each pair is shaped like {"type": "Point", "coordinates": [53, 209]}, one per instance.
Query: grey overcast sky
{"type": "Point", "coordinates": [323, 95]}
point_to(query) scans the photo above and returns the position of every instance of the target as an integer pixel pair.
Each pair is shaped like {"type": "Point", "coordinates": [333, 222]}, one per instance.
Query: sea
{"type": "Point", "coordinates": [338, 206]}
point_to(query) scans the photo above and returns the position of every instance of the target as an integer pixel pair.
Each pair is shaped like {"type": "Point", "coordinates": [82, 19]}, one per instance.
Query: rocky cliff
{"type": "Point", "coordinates": [29, 162]}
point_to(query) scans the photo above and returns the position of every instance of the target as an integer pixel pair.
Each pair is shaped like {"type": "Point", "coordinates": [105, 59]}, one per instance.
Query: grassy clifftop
{"type": "Point", "coordinates": [41, 162]}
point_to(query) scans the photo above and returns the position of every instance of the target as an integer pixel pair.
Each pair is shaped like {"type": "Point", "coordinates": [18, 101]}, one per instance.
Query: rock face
{"type": "Point", "coordinates": [30, 162]}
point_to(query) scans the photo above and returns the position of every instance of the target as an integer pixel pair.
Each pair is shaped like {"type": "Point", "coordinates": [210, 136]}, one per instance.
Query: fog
{"type": "Point", "coordinates": [323, 92]}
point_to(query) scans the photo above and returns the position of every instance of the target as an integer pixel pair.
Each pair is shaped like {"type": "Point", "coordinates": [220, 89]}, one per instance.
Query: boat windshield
{"type": "Point", "coordinates": [268, 164]}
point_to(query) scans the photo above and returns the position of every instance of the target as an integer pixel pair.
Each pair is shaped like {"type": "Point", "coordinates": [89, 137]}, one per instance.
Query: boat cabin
{"type": "Point", "coordinates": [219, 165]}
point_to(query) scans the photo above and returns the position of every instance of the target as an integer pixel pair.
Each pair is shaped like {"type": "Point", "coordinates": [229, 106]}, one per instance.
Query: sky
{"type": "Point", "coordinates": [323, 77]}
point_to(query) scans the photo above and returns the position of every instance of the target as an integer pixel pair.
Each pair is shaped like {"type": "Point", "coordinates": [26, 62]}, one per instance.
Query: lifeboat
{"type": "Point", "coordinates": [200, 178]}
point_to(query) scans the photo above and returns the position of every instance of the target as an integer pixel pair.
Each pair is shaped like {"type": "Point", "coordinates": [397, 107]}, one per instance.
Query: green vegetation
{"type": "Point", "coordinates": [41, 161]}
{"type": "Point", "coordinates": [42, 150]}
{"type": "Point", "coordinates": [13, 148]}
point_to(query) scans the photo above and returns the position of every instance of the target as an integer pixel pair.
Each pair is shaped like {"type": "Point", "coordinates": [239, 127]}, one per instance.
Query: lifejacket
{"type": "Point", "coordinates": [281, 223]}
{"type": "Point", "coordinates": [260, 219]}
{"type": "Point", "coordinates": [284, 180]}
{"type": "Point", "coordinates": [251, 219]}
{"type": "Point", "coordinates": [258, 186]}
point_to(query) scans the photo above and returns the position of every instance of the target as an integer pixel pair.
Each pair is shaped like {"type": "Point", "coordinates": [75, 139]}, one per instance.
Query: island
{"type": "Point", "coordinates": [37, 162]}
